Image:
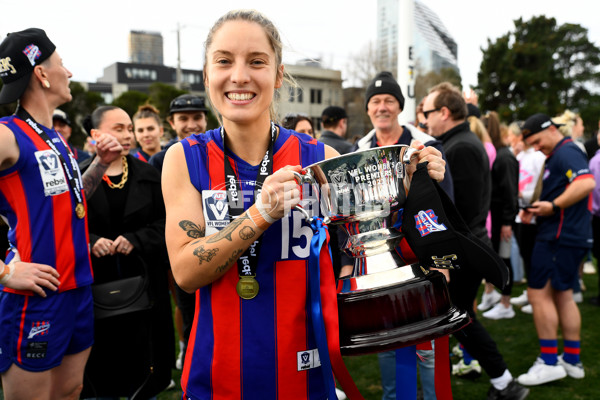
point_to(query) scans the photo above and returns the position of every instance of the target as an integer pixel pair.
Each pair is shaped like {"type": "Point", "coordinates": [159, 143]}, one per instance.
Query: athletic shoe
{"type": "Point", "coordinates": [488, 300]}
{"type": "Point", "coordinates": [513, 391]}
{"type": "Point", "coordinates": [340, 394]}
{"type": "Point", "coordinates": [500, 312]}
{"type": "Point", "coordinates": [457, 351]}
{"type": "Point", "coordinates": [179, 361]}
{"type": "Point", "coordinates": [171, 385]}
{"type": "Point", "coordinates": [588, 268]}
{"type": "Point", "coordinates": [541, 373]}
{"type": "Point", "coordinates": [471, 371]}
{"type": "Point", "coordinates": [578, 297]}
{"type": "Point", "coordinates": [573, 370]}
{"type": "Point", "coordinates": [527, 309]}
{"type": "Point", "coordinates": [520, 300]}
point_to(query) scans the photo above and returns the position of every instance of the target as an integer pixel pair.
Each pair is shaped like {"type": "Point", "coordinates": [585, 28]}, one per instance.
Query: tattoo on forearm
{"type": "Point", "coordinates": [92, 177]}
{"type": "Point", "coordinates": [247, 233]}
{"type": "Point", "coordinates": [204, 254]}
{"type": "Point", "coordinates": [194, 231]}
{"type": "Point", "coordinates": [234, 256]}
{"type": "Point", "coordinates": [226, 232]}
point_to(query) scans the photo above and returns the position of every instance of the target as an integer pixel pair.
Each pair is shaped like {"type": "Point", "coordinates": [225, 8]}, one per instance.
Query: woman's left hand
{"type": "Point", "coordinates": [121, 245]}
{"type": "Point", "coordinates": [436, 166]}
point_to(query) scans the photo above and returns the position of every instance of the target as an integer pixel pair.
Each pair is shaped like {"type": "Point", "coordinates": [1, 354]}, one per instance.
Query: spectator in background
{"type": "Point", "coordinates": [187, 116]}
{"type": "Point", "coordinates": [595, 169]}
{"type": "Point", "coordinates": [564, 236]}
{"type": "Point", "coordinates": [148, 131]}
{"type": "Point", "coordinates": [298, 122]}
{"type": "Point", "coordinates": [570, 124]}
{"type": "Point", "coordinates": [446, 113]}
{"type": "Point", "coordinates": [591, 145]}
{"type": "Point", "coordinates": [134, 352]}
{"type": "Point", "coordinates": [503, 208]}
{"type": "Point", "coordinates": [62, 124]}
{"type": "Point", "coordinates": [334, 121]}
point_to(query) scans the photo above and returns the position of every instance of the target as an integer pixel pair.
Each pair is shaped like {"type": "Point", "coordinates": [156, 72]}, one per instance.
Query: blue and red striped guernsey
{"type": "Point", "coordinates": [262, 348]}
{"type": "Point", "coordinates": [40, 209]}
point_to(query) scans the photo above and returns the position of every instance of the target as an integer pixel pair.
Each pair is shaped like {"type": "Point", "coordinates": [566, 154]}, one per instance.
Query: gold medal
{"type": "Point", "coordinates": [80, 211]}
{"type": "Point", "coordinates": [247, 287]}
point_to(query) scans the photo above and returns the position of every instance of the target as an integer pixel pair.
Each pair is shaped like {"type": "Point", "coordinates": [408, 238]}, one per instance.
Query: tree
{"type": "Point", "coordinates": [540, 67]}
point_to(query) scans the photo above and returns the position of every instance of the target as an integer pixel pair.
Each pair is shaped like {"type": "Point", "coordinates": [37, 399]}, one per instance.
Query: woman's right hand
{"type": "Point", "coordinates": [102, 247]}
{"type": "Point", "coordinates": [280, 192]}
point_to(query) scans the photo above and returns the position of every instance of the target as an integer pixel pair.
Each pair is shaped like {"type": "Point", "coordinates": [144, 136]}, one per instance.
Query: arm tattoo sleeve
{"type": "Point", "coordinates": [247, 233]}
{"type": "Point", "coordinates": [204, 254]}
{"type": "Point", "coordinates": [226, 232]}
{"type": "Point", "coordinates": [194, 231]}
{"type": "Point", "coordinates": [92, 177]}
{"type": "Point", "coordinates": [231, 259]}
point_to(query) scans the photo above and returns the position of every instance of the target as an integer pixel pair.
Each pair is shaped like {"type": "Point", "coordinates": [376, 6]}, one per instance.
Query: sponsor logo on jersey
{"type": "Point", "coordinates": [36, 350]}
{"type": "Point", "coordinates": [52, 173]}
{"type": "Point", "coordinates": [427, 222]}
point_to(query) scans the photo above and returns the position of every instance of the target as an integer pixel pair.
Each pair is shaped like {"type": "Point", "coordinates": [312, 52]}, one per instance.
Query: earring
{"type": "Point", "coordinates": [46, 83]}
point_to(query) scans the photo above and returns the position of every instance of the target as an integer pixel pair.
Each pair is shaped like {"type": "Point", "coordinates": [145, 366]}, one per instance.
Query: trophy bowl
{"type": "Point", "coordinates": [385, 303]}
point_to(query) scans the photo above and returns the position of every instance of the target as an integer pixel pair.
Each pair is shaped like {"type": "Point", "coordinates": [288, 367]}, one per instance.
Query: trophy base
{"type": "Point", "coordinates": [399, 315]}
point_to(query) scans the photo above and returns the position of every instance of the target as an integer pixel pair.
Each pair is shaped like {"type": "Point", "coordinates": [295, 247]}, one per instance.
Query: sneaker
{"type": "Point", "coordinates": [513, 391]}
{"type": "Point", "coordinates": [527, 309]}
{"type": "Point", "coordinates": [588, 268]}
{"type": "Point", "coordinates": [179, 361]}
{"type": "Point", "coordinates": [500, 312]}
{"type": "Point", "coordinates": [171, 385]}
{"type": "Point", "coordinates": [520, 300]}
{"type": "Point", "coordinates": [488, 300]}
{"type": "Point", "coordinates": [340, 394]}
{"type": "Point", "coordinates": [457, 351]}
{"type": "Point", "coordinates": [578, 297]}
{"type": "Point", "coordinates": [463, 370]}
{"type": "Point", "coordinates": [573, 370]}
{"type": "Point", "coordinates": [541, 373]}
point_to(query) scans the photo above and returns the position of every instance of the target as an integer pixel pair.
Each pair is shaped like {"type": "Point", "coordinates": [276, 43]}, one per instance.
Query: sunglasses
{"type": "Point", "coordinates": [194, 101]}
{"type": "Point", "coordinates": [426, 113]}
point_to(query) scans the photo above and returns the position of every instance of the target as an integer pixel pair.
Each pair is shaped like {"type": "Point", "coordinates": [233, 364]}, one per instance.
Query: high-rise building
{"type": "Point", "coordinates": [433, 46]}
{"type": "Point", "coordinates": [145, 47]}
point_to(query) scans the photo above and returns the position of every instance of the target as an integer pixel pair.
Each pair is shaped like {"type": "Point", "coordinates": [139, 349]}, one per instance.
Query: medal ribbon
{"type": "Point", "coordinates": [235, 199]}
{"type": "Point", "coordinates": [74, 181]}
{"type": "Point", "coordinates": [324, 314]}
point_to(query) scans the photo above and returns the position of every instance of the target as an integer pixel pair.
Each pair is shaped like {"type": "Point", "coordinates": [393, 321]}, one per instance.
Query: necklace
{"type": "Point", "coordinates": [123, 178]}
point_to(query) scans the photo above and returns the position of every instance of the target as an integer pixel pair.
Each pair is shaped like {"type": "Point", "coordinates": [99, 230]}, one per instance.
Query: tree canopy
{"type": "Point", "coordinates": [540, 67]}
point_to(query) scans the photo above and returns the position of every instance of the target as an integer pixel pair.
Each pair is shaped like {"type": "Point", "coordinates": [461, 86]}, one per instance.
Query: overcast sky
{"type": "Point", "coordinates": [90, 35]}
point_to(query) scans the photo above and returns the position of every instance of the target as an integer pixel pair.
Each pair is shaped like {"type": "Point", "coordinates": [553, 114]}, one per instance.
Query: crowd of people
{"type": "Point", "coordinates": [205, 222]}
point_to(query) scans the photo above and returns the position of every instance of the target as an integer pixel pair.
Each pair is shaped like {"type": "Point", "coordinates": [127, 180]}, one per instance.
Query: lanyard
{"type": "Point", "coordinates": [247, 264]}
{"type": "Point", "coordinates": [74, 181]}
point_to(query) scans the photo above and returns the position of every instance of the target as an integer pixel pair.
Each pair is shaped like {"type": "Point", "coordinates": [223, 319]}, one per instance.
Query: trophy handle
{"type": "Point", "coordinates": [409, 155]}
{"type": "Point", "coordinates": [300, 180]}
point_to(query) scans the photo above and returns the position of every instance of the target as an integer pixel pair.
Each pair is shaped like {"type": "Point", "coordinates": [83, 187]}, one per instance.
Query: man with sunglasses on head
{"type": "Point", "coordinates": [445, 112]}
{"type": "Point", "coordinates": [187, 115]}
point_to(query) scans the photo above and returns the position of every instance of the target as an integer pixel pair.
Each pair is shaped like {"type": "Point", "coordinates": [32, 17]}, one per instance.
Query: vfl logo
{"type": "Point", "coordinates": [305, 357]}
{"type": "Point", "coordinates": [308, 359]}
{"type": "Point", "coordinates": [217, 205]}
{"type": "Point", "coordinates": [33, 53]}
{"type": "Point", "coordinates": [49, 162]}
{"type": "Point", "coordinates": [427, 222]}
{"type": "Point", "coordinates": [39, 328]}
{"type": "Point", "coordinates": [339, 179]}
{"type": "Point", "coordinates": [445, 261]}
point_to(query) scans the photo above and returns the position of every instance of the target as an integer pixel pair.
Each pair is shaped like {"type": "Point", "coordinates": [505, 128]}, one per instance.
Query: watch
{"type": "Point", "coordinates": [555, 209]}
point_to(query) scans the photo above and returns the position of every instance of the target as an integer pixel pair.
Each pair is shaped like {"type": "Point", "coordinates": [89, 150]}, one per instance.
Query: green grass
{"type": "Point", "coordinates": [517, 341]}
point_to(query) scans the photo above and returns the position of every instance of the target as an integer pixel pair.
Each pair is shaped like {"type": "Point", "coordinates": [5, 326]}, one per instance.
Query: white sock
{"type": "Point", "coordinates": [502, 381]}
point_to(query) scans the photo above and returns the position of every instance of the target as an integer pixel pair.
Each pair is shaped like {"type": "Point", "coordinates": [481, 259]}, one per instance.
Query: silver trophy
{"type": "Point", "coordinates": [385, 303]}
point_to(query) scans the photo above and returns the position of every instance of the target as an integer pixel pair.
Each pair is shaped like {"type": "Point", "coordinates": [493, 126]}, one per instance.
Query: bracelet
{"type": "Point", "coordinates": [555, 209]}
{"type": "Point", "coordinates": [6, 275]}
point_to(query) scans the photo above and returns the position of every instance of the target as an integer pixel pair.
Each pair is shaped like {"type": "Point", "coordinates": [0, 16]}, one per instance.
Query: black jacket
{"type": "Point", "coordinates": [470, 169]}
{"type": "Point", "coordinates": [127, 347]}
{"type": "Point", "coordinates": [339, 143]}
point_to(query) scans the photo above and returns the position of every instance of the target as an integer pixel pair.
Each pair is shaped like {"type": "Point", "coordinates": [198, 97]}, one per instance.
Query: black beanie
{"type": "Point", "coordinates": [384, 83]}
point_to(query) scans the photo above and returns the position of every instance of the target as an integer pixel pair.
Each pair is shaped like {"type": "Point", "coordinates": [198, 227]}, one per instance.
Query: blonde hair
{"type": "Point", "coordinates": [479, 130]}
{"type": "Point", "coordinates": [568, 119]}
{"type": "Point", "coordinates": [274, 40]}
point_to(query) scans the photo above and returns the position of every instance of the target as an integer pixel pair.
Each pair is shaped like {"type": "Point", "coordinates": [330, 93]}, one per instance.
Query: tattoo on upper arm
{"type": "Point", "coordinates": [191, 229]}
{"type": "Point", "coordinates": [226, 232]}
{"type": "Point", "coordinates": [234, 256]}
{"type": "Point", "coordinates": [204, 254]}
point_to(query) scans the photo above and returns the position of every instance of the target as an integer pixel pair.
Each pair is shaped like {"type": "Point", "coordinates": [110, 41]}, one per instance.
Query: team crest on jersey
{"type": "Point", "coordinates": [38, 328]}
{"type": "Point", "coordinates": [308, 359]}
{"type": "Point", "coordinates": [52, 173]}
{"type": "Point", "coordinates": [427, 222]}
{"type": "Point", "coordinates": [215, 207]}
